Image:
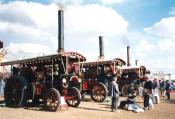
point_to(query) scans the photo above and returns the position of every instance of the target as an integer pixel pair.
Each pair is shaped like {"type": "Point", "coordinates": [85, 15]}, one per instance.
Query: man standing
{"type": "Point", "coordinates": [167, 88]}
{"type": "Point", "coordinates": [2, 86]}
{"type": "Point", "coordinates": [162, 88]}
{"type": "Point", "coordinates": [147, 93]}
{"type": "Point", "coordinates": [114, 92]}
{"type": "Point", "coordinates": [156, 98]}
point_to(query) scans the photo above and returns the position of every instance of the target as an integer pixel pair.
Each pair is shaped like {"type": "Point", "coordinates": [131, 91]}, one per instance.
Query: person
{"type": "Point", "coordinates": [147, 94]}
{"type": "Point", "coordinates": [156, 98]}
{"type": "Point", "coordinates": [162, 88]}
{"type": "Point", "coordinates": [114, 92]}
{"type": "Point", "coordinates": [130, 103]}
{"type": "Point", "coordinates": [167, 88]}
{"type": "Point", "coordinates": [2, 86]}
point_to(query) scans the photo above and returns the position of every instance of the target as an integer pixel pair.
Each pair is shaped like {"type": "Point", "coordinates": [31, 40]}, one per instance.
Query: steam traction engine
{"type": "Point", "coordinates": [96, 76]}
{"type": "Point", "coordinates": [43, 80]}
{"type": "Point", "coordinates": [131, 79]}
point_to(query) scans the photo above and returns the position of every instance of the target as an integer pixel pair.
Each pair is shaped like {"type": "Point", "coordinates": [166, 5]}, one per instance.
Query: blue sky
{"type": "Point", "coordinates": [143, 13]}
{"type": "Point", "coordinates": [148, 26]}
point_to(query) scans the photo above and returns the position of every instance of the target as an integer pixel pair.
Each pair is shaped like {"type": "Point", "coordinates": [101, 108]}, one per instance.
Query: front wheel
{"type": "Point", "coordinates": [73, 98]}
{"type": "Point", "coordinates": [52, 100]}
{"type": "Point", "coordinates": [99, 92]}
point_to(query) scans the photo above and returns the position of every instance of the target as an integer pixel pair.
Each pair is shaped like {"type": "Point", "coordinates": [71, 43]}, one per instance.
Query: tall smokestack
{"type": "Point", "coordinates": [136, 61]}
{"type": "Point", "coordinates": [1, 44]}
{"type": "Point", "coordinates": [101, 48]}
{"type": "Point", "coordinates": [60, 31]}
{"type": "Point", "coordinates": [128, 56]}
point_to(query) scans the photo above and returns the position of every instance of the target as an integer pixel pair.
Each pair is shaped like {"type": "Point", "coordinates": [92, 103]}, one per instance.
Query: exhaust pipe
{"type": "Point", "coordinates": [136, 62]}
{"type": "Point", "coordinates": [128, 56]}
{"type": "Point", "coordinates": [1, 44]}
{"type": "Point", "coordinates": [101, 48]}
{"type": "Point", "coordinates": [60, 31]}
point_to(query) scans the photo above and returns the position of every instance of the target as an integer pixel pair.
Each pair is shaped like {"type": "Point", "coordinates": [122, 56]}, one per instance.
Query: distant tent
{"type": "Point", "coordinates": [1, 44]}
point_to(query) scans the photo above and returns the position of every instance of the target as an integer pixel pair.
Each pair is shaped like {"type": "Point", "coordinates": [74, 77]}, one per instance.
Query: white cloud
{"type": "Point", "coordinates": [92, 20]}
{"type": "Point", "coordinates": [80, 2]}
{"type": "Point", "coordinates": [34, 24]}
{"type": "Point", "coordinates": [143, 48]}
{"type": "Point", "coordinates": [86, 23]}
{"type": "Point", "coordinates": [68, 2]}
{"type": "Point", "coordinates": [111, 1]}
{"type": "Point", "coordinates": [164, 28]}
{"type": "Point", "coordinates": [164, 48]}
{"type": "Point", "coordinates": [167, 45]}
{"type": "Point", "coordinates": [26, 50]}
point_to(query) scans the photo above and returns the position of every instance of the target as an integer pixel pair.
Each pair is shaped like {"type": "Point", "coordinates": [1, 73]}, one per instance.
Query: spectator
{"type": "Point", "coordinates": [2, 86]}
{"type": "Point", "coordinates": [114, 93]}
{"type": "Point", "coordinates": [162, 88]}
{"type": "Point", "coordinates": [130, 104]}
{"type": "Point", "coordinates": [167, 88]}
{"type": "Point", "coordinates": [147, 94]}
{"type": "Point", "coordinates": [156, 98]}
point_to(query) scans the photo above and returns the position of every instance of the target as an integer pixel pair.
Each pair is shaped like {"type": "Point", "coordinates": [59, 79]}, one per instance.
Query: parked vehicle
{"type": "Point", "coordinates": [43, 80]}
{"type": "Point", "coordinates": [131, 78]}
{"type": "Point", "coordinates": [96, 77]}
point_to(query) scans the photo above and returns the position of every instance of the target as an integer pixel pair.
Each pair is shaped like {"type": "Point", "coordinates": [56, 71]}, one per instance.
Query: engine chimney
{"type": "Point", "coordinates": [60, 31]}
{"type": "Point", "coordinates": [128, 56]}
{"type": "Point", "coordinates": [1, 44]}
{"type": "Point", "coordinates": [136, 61]}
{"type": "Point", "coordinates": [101, 47]}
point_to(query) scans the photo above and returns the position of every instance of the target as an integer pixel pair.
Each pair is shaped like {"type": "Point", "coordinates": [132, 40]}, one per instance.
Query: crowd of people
{"type": "Point", "coordinates": [152, 91]}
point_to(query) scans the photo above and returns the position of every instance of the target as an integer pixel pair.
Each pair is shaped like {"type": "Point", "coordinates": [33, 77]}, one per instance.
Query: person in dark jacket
{"type": "Point", "coordinates": [147, 93]}
{"type": "Point", "coordinates": [162, 88]}
{"type": "Point", "coordinates": [167, 88]}
{"type": "Point", "coordinates": [114, 92]}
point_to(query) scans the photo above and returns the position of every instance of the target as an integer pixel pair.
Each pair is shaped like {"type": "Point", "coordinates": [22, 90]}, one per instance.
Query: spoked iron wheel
{"type": "Point", "coordinates": [73, 98]}
{"type": "Point", "coordinates": [127, 87]}
{"type": "Point", "coordinates": [99, 92]}
{"type": "Point", "coordinates": [14, 92]}
{"type": "Point", "coordinates": [52, 100]}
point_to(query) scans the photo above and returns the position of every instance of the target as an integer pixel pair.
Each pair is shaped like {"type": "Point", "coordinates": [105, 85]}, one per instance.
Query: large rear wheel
{"type": "Point", "coordinates": [73, 98]}
{"type": "Point", "coordinates": [99, 92]}
{"type": "Point", "coordinates": [128, 88]}
{"type": "Point", "coordinates": [52, 100]}
{"type": "Point", "coordinates": [15, 91]}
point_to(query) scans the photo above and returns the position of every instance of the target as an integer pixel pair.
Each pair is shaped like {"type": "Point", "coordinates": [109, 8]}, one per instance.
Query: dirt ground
{"type": "Point", "coordinates": [92, 110]}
